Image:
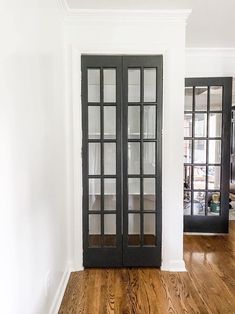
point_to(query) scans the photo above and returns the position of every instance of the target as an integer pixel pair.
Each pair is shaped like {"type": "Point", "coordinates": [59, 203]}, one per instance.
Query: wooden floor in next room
{"type": "Point", "coordinates": [207, 287]}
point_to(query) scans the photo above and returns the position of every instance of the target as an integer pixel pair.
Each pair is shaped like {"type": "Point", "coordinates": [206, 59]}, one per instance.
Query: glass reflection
{"type": "Point", "coordinates": [109, 122]}
{"type": "Point", "coordinates": [188, 99]}
{"type": "Point", "coordinates": [149, 158]}
{"type": "Point", "coordinates": [149, 229]}
{"type": "Point", "coordinates": [201, 98]}
{"type": "Point", "coordinates": [200, 125]}
{"type": "Point", "coordinates": [214, 177]}
{"type": "Point", "coordinates": [187, 203]}
{"type": "Point", "coordinates": [199, 178]}
{"type": "Point", "coordinates": [94, 122]}
{"type": "Point", "coordinates": [149, 194]}
{"type": "Point", "coordinates": [133, 85]}
{"type": "Point", "coordinates": [94, 194]}
{"type": "Point", "coordinates": [187, 151]}
{"type": "Point", "coordinates": [133, 122]}
{"type": "Point", "coordinates": [109, 194]}
{"type": "Point", "coordinates": [133, 158]}
{"type": "Point", "coordinates": [188, 125]}
{"type": "Point", "coordinates": [93, 78]}
{"type": "Point", "coordinates": [149, 122]}
{"type": "Point", "coordinates": [94, 158]}
{"type": "Point", "coordinates": [214, 151]}
{"type": "Point", "coordinates": [134, 229]}
{"type": "Point", "coordinates": [213, 204]}
{"type": "Point", "coordinates": [215, 124]}
{"type": "Point", "coordinates": [199, 203]}
{"type": "Point", "coordinates": [134, 194]}
{"type": "Point", "coordinates": [109, 85]}
{"type": "Point", "coordinates": [187, 177]}
{"type": "Point", "coordinates": [200, 151]}
{"type": "Point", "coordinates": [216, 98]}
{"type": "Point", "coordinates": [150, 85]}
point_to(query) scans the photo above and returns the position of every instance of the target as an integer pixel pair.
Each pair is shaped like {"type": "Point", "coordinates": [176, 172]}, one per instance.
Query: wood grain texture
{"type": "Point", "coordinates": [207, 287]}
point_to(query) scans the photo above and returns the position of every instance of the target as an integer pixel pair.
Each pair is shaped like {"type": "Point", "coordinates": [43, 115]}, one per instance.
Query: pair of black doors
{"type": "Point", "coordinates": [122, 122]}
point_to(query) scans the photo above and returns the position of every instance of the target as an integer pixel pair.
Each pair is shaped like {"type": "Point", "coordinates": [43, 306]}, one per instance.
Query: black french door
{"type": "Point", "coordinates": [207, 154]}
{"type": "Point", "coordinates": [121, 121]}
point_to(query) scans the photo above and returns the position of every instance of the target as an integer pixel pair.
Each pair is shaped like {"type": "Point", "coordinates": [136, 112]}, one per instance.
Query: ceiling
{"type": "Point", "coordinates": [211, 24]}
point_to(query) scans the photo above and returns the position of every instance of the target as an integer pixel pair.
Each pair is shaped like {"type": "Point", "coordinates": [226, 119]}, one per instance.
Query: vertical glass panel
{"type": "Point", "coordinates": [149, 229]}
{"type": "Point", "coordinates": [187, 202]}
{"type": "Point", "coordinates": [199, 203]}
{"type": "Point", "coordinates": [109, 85]}
{"type": "Point", "coordinates": [149, 194]}
{"type": "Point", "coordinates": [94, 230]}
{"type": "Point", "coordinates": [150, 82]}
{"type": "Point", "coordinates": [133, 158]}
{"type": "Point", "coordinates": [94, 158]}
{"type": "Point", "coordinates": [213, 204]}
{"type": "Point", "coordinates": [214, 151]}
{"type": "Point", "coordinates": [188, 125]}
{"type": "Point", "coordinates": [187, 177]}
{"type": "Point", "coordinates": [201, 98]}
{"type": "Point", "coordinates": [199, 178]}
{"type": "Point", "coordinates": [134, 194]}
{"type": "Point", "coordinates": [215, 124]}
{"type": "Point", "coordinates": [93, 122]}
{"type": "Point", "coordinates": [149, 122]}
{"type": "Point", "coordinates": [109, 122]}
{"type": "Point", "coordinates": [133, 122]}
{"type": "Point", "coordinates": [214, 177]}
{"type": "Point", "coordinates": [109, 194]}
{"type": "Point", "coordinates": [93, 77]}
{"type": "Point", "coordinates": [133, 85]}
{"type": "Point", "coordinates": [187, 151]}
{"type": "Point", "coordinates": [200, 125]}
{"type": "Point", "coordinates": [188, 99]}
{"type": "Point", "coordinates": [110, 158]}
{"type": "Point", "coordinates": [109, 230]}
{"type": "Point", "coordinates": [149, 158]}
{"type": "Point", "coordinates": [216, 97]}
{"type": "Point", "coordinates": [94, 194]}
{"type": "Point", "coordinates": [134, 229]}
{"type": "Point", "coordinates": [199, 151]}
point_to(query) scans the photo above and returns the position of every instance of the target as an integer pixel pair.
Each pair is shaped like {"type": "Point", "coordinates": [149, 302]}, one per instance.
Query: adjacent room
{"type": "Point", "coordinates": [117, 156]}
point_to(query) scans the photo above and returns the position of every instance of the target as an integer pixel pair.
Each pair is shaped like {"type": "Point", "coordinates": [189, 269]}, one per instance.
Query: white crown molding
{"type": "Point", "coordinates": [123, 15]}
{"type": "Point", "coordinates": [212, 51]}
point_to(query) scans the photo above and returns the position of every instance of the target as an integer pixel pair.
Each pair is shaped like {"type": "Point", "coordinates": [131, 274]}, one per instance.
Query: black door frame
{"type": "Point", "coordinates": [215, 224]}
{"type": "Point", "coordinates": [121, 255]}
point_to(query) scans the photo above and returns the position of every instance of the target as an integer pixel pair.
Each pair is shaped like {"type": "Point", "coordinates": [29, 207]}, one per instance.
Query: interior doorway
{"type": "Point", "coordinates": [207, 123]}
{"type": "Point", "coordinates": [122, 122]}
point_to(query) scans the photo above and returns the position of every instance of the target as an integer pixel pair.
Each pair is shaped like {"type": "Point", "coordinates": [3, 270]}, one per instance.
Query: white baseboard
{"type": "Point", "coordinates": [61, 289]}
{"type": "Point", "coordinates": [174, 266]}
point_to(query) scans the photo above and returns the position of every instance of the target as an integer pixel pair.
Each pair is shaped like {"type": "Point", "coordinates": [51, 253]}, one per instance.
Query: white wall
{"type": "Point", "coordinates": [102, 32]}
{"type": "Point", "coordinates": [33, 195]}
{"type": "Point", "coordinates": [210, 62]}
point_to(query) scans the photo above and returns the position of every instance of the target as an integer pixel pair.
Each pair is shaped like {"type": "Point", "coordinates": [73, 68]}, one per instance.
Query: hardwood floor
{"type": "Point", "coordinates": [207, 287]}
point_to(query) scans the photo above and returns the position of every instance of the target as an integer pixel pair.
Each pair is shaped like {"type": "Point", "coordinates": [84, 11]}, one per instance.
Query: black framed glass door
{"type": "Point", "coordinates": [207, 154]}
{"type": "Point", "coordinates": [121, 118]}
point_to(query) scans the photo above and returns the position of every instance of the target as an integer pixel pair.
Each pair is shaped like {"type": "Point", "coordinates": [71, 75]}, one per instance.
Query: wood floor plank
{"type": "Point", "coordinates": [207, 287]}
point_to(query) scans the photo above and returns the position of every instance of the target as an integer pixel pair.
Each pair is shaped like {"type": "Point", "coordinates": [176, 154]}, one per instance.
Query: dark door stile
{"type": "Point", "coordinates": [218, 223]}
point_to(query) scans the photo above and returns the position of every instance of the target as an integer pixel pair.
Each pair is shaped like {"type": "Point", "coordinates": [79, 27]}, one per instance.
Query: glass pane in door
{"type": "Point", "coordinates": [150, 84]}
{"type": "Point", "coordinates": [133, 194]}
{"type": "Point", "coordinates": [93, 76]}
{"type": "Point", "coordinates": [109, 85]}
{"type": "Point", "coordinates": [149, 122]}
{"type": "Point", "coordinates": [134, 229]}
{"type": "Point", "coordinates": [133, 122]}
{"type": "Point", "coordinates": [133, 85]}
{"type": "Point", "coordinates": [109, 122]}
{"type": "Point", "coordinates": [133, 158]}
